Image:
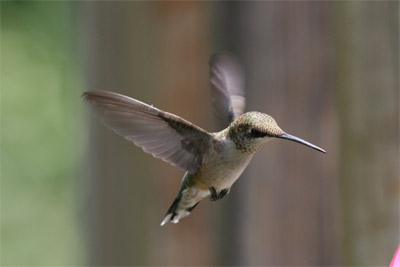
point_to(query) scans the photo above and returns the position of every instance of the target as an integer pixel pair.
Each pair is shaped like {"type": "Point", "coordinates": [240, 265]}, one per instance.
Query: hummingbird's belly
{"type": "Point", "coordinates": [221, 173]}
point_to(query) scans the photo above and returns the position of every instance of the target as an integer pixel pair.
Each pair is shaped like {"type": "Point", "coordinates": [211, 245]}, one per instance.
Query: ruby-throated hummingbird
{"type": "Point", "coordinates": [212, 161]}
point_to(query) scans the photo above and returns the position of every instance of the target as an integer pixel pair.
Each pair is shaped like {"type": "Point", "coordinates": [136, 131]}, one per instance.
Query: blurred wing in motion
{"type": "Point", "coordinates": [227, 87]}
{"type": "Point", "coordinates": [162, 134]}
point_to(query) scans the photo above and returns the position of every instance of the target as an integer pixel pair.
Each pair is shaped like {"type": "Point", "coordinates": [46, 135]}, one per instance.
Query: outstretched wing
{"type": "Point", "coordinates": [227, 87]}
{"type": "Point", "coordinates": [162, 134]}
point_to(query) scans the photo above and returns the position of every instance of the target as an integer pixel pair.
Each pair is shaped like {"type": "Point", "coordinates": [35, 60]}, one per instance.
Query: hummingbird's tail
{"type": "Point", "coordinates": [176, 212]}
{"type": "Point", "coordinates": [187, 199]}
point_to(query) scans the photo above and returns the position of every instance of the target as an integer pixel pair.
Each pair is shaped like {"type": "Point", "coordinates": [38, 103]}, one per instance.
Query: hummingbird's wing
{"type": "Point", "coordinates": [227, 87]}
{"type": "Point", "coordinates": [162, 134]}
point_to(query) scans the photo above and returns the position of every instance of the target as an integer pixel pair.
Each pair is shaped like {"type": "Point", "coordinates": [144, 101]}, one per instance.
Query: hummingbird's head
{"type": "Point", "coordinates": [251, 130]}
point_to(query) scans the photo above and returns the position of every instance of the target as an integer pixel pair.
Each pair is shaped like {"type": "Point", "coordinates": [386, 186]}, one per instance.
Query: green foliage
{"type": "Point", "coordinates": [40, 143]}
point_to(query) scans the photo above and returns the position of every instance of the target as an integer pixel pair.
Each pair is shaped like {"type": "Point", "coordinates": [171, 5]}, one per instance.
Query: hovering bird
{"type": "Point", "coordinates": [212, 161]}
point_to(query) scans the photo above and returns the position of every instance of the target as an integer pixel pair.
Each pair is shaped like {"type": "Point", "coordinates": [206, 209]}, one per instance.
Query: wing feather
{"type": "Point", "coordinates": [227, 87]}
{"type": "Point", "coordinates": [162, 134]}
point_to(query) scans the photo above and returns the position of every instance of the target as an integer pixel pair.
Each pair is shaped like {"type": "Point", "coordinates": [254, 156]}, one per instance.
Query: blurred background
{"type": "Point", "coordinates": [75, 193]}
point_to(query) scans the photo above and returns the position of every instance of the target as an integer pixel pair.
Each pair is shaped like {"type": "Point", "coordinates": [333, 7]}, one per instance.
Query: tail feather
{"type": "Point", "coordinates": [177, 211]}
{"type": "Point", "coordinates": [166, 219]}
{"type": "Point", "coordinates": [187, 199]}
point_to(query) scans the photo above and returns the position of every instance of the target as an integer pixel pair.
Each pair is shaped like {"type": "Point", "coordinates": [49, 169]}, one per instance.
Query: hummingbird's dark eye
{"type": "Point", "coordinates": [257, 134]}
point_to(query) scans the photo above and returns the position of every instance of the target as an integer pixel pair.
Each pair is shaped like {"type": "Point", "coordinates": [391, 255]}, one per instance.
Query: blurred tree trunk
{"type": "Point", "coordinates": [147, 51]}
{"type": "Point", "coordinates": [283, 209]}
{"type": "Point", "coordinates": [183, 90]}
{"type": "Point", "coordinates": [117, 59]}
{"type": "Point", "coordinates": [368, 105]}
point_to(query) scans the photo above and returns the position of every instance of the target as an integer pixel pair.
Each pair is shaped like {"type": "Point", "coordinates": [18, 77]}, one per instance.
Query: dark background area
{"type": "Point", "coordinates": [75, 193]}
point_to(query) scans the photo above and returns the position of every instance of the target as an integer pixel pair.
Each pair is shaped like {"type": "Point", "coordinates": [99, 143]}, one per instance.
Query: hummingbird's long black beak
{"type": "Point", "coordinates": [299, 140]}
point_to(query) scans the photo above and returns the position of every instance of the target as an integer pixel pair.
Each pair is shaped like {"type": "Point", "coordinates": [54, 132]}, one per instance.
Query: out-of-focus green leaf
{"type": "Point", "coordinates": [40, 151]}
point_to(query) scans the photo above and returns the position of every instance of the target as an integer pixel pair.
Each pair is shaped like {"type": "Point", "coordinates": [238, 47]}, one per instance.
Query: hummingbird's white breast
{"type": "Point", "coordinates": [223, 165]}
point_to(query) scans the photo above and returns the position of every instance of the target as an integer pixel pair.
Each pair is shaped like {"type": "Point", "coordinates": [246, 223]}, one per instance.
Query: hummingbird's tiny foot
{"type": "Point", "coordinates": [214, 195]}
{"type": "Point", "coordinates": [223, 193]}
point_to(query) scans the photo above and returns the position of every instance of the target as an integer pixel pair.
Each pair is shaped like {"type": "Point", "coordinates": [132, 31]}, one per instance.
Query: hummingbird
{"type": "Point", "coordinates": [212, 161]}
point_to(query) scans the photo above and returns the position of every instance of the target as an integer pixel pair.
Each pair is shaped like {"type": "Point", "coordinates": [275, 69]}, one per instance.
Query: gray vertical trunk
{"type": "Point", "coordinates": [118, 59]}
{"type": "Point", "coordinates": [288, 195]}
{"type": "Point", "coordinates": [144, 50]}
{"type": "Point", "coordinates": [368, 106]}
